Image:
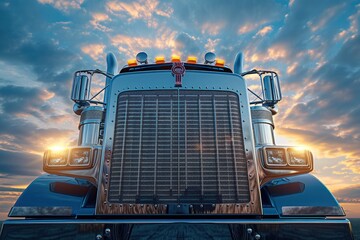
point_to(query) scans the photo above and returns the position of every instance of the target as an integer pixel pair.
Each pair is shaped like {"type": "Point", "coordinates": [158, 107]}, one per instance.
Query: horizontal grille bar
{"type": "Point", "coordinates": [178, 146]}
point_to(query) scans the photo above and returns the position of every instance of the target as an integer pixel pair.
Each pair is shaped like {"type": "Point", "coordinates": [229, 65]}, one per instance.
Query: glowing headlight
{"type": "Point", "coordinates": [69, 158]}
{"type": "Point", "coordinates": [275, 156]}
{"type": "Point", "coordinates": [287, 158]}
{"type": "Point", "coordinates": [298, 157]}
{"type": "Point", "coordinates": [80, 157]}
{"type": "Point", "coordinates": [56, 157]}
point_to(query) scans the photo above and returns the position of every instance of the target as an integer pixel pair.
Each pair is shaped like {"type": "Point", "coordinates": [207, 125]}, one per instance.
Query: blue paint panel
{"type": "Point", "coordinates": [313, 193]}
{"type": "Point", "coordinates": [39, 194]}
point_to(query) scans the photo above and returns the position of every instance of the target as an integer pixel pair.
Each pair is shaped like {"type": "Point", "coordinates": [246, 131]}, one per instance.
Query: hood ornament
{"type": "Point", "coordinates": [178, 70]}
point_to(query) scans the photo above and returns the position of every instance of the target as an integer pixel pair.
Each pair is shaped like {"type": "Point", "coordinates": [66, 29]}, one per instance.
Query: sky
{"type": "Point", "coordinates": [313, 45]}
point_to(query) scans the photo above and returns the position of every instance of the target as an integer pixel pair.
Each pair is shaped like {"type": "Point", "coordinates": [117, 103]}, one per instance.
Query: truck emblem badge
{"type": "Point", "coordinates": [178, 70]}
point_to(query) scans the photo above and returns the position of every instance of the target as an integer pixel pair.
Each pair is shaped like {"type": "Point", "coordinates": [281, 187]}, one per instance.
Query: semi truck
{"type": "Point", "coordinates": [177, 149]}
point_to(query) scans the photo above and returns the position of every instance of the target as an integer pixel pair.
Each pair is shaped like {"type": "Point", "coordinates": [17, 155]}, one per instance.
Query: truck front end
{"type": "Point", "coordinates": [177, 151]}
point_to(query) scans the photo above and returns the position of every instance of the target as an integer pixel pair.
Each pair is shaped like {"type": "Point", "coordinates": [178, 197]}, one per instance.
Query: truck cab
{"type": "Point", "coordinates": [177, 150]}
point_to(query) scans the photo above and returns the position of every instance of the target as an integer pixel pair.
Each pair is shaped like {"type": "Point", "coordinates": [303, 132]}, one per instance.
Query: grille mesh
{"type": "Point", "coordinates": [178, 146]}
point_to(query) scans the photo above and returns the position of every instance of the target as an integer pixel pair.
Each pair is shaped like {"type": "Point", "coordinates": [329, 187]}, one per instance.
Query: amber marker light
{"type": "Point", "coordinates": [132, 62]}
{"type": "Point", "coordinates": [220, 62]}
{"type": "Point", "coordinates": [175, 58]}
{"type": "Point", "coordinates": [160, 59]}
{"type": "Point", "coordinates": [192, 59]}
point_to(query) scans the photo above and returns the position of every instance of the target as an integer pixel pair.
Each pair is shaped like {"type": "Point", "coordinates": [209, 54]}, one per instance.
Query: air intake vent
{"type": "Point", "coordinates": [178, 146]}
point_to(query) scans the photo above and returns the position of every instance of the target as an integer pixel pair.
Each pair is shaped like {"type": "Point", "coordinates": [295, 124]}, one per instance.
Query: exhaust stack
{"type": "Point", "coordinates": [112, 69]}
{"type": "Point", "coordinates": [239, 63]}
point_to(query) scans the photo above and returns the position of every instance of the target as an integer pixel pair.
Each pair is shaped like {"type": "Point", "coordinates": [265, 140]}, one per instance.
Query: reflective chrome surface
{"type": "Point", "coordinates": [312, 211]}
{"type": "Point", "coordinates": [61, 211]}
{"type": "Point", "coordinates": [90, 173]}
{"type": "Point", "coordinates": [239, 63]}
{"type": "Point", "coordinates": [210, 57]}
{"type": "Point", "coordinates": [142, 58]}
{"type": "Point", "coordinates": [90, 123]}
{"type": "Point", "coordinates": [178, 147]}
{"type": "Point", "coordinates": [112, 69]}
{"type": "Point", "coordinates": [263, 125]}
{"type": "Point", "coordinates": [267, 171]}
{"type": "Point", "coordinates": [81, 86]}
{"type": "Point", "coordinates": [193, 80]}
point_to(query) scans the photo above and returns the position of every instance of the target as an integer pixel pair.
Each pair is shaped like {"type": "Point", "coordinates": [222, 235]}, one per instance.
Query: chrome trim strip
{"type": "Point", "coordinates": [312, 211]}
{"type": "Point", "coordinates": [40, 211]}
{"type": "Point", "coordinates": [170, 221]}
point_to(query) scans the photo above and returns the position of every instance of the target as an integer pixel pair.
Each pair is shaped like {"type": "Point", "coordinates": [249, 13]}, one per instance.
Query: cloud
{"type": "Point", "coordinates": [212, 44]}
{"type": "Point", "coordinates": [130, 45]}
{"type": "Point", "coordinates": [144, 10]}
{"type": "Point", "coordinates": [348, 194]}
{"type": "Point", "coordinates": [25, 102]}
{"type": "Point", "coordinates": [20, 163]}
{"type": "Point", "coordinates": [212, 28]}
{"type": "Point", "coordinates": [49, 63]}
{"type": "Point", "coordinates": [187, 45]}
{"type": "Point", "coordinates": [63, 5]}
{"type": "Point", "coordinates": [95, 51]}
{"type": "Point", "coordinates": [234, 16]}
{"type": "Point", "coordinates": [353, 165]}
{"type": "Point", "coordinates": [305, 26]}
{"type": "Point", "coordinates": [265, 30]}
{"type": "Point", "coordinates": [97, 19]}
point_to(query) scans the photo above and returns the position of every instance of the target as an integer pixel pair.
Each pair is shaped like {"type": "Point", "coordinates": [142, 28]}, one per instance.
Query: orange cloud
{"type": "Point", "coordinates": [94, 50]}
{"type": "Point", "coordinates": [265, 30]}
{"type": "Point", "coordinates": [97, 18]}
{"type": "Point", "coordinates": [132, 45]}
{"type": "Point", "coordinates": [273, 53]}
{"type": "Point", "coordinates": [144, 9]}
{"type": "Point", "coordinates": [353, 165]}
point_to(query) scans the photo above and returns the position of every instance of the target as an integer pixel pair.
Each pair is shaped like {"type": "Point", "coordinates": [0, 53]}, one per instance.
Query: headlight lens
{"type": "Point", "coordinates": [287, 158]}
{"type": "Point", "coordinates": [276, 156]}
{"type": "Point", "coordinates": [297, 157]}
{"type": "Point", "coordinates": [69, 158]}
{"type": "Point", "coordinates": [57, 157]}
{"type": "Point", "coordinates": [80, 157]}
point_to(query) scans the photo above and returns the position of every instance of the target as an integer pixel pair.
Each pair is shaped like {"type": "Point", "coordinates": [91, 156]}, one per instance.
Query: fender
{"type": "Point", "coordinates": [52, 195]}
{"type": "Point", "coordinates": [302, 195]}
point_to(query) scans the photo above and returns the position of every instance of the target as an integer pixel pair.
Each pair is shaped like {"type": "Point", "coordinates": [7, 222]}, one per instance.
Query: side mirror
{"type": "Point", "coordinates": [81, 86]}
{"type": "Point", "coordinates": [271, 89]}
{"type": "Point", "coordinates": [270, 86]}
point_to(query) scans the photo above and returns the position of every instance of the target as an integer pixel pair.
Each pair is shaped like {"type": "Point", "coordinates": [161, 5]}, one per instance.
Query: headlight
{"type": "Point", "coordinates": [69, 158]}
{"type": "Point", "coordinates": [287, 158]}
{"type": "Point", "coordinates": [56, 158]}
{"type": "Point", "coordinates": [298, 157]}
{"type": "Point", "coordinates": [80, 157]}
{"type": "Point", "coordinates": [276, 156]}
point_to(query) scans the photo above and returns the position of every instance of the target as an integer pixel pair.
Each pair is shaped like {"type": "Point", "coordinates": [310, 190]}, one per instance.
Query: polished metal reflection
{"type": "Point", "coordinates": [210, 57]}
{"type": "Point", "coordinates": [312, 211]}
{"type": "Point", "coordinates": [81, 87]}
{"type": "Point", "coordinates": [40, 211]}
{"type": "Point", "coordinates": [238, 63]}
{"type": "Point", "coordinates": [90, 123]}
{"type": "Point", "coordinates": [140, 80]}
{"type": "Point", "coordinates": [142, 58]}
{"type": "Point", "coordinates": [263, 125]}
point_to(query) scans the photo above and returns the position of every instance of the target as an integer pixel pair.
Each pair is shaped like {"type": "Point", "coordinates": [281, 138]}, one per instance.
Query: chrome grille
{"type": "Point", "coordinates": [178, 146]}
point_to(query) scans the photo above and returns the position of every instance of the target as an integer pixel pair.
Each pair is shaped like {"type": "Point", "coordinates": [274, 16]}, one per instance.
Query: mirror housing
{"type": "Point", "coordinates": [270, 86]}
{"type": "Point", "coordinates": [271, 89]}
{"type": "Point", "coordinates": [80, 92]}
